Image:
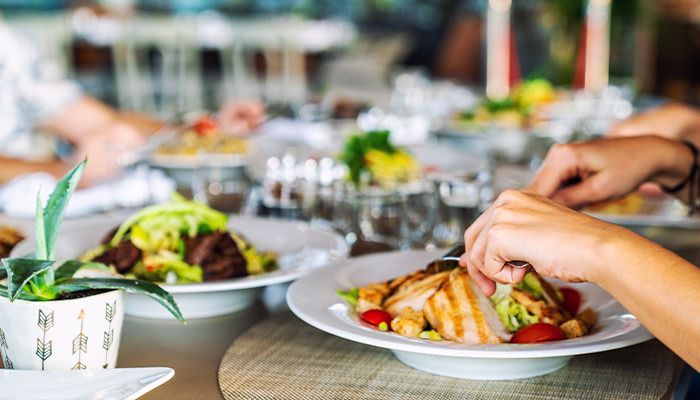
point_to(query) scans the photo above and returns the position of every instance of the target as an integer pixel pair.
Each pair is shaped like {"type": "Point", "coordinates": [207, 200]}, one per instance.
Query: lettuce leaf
{"type": "Point", "coordinates": [351, 296]}
{"type": "Point", "coordinates": [512, 315]}
{"type": "Point", "coordinates": [155, 268]}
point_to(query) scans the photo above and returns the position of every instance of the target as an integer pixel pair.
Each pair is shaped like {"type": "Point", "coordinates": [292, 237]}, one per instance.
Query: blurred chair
{"type": "Point", "coordinates": [157, 66]}
{"type": "Point", "coordinates": [363, 71]}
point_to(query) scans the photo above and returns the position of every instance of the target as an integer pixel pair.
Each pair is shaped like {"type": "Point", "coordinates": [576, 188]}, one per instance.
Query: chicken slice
{"type": "Point", "coordinates": [413, 294]}
{"type": "Point", "coordinates": [460, 311]}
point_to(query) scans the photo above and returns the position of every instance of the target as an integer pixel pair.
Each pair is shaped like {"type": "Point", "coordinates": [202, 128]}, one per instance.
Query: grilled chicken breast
{"type": "Point", "coordinates": [459, 311]}
{"type": "Point", "coordinates": [413, 292]}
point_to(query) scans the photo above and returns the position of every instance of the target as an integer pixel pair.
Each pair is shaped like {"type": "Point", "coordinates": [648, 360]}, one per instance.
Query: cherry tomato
{"type": "Point", "coordinates": [572, 300]}
{"type": "Point", "coordinates": [376, 318]}
{"type": "Point", "coordinates": [205, 126]}
{"type": "Point", "coordinates": [538, 332]}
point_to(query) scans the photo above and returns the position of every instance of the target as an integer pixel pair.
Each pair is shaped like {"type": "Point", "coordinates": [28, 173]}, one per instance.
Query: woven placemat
{"type": "Point", "coordinates": [283, 358]}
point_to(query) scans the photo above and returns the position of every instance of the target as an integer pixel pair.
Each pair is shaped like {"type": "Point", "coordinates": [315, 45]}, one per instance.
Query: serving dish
{"type": "Point", "coordinates": [301, 249]}
{"type": "Point", "coordinates": [314, 300]}
{"type": "Point", "coordinates": [121, 383]}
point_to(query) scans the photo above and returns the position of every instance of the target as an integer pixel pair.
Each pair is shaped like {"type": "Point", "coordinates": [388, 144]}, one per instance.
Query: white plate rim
{"type": "Point", "coordinates": [323, 280]}
{"type": "Point", "coordinates": [338, 254]}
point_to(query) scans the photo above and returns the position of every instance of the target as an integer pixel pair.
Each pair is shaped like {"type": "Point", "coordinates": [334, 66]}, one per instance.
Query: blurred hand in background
{"type": "Point", "coordinates": [241, 117]}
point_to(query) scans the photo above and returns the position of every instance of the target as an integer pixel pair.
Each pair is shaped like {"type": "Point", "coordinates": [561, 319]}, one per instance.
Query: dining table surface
{"type": "Point", "coordinates": [195, 350]}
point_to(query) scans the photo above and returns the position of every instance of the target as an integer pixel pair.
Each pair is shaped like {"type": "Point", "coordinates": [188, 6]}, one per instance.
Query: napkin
{"type": "Point", "coordinates": [134, 188]}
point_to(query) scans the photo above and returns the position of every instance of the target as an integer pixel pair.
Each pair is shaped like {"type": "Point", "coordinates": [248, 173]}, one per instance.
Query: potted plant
{"type": "Point", "coordinates": [52, 320]}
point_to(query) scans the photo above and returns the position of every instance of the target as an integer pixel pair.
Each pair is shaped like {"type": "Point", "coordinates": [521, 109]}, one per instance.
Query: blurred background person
{"type": "Point", "coordinates": [35, 97]}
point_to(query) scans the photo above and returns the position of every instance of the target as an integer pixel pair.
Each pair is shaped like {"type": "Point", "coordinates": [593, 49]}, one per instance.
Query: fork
{"type": "Point", "coordinates": [452, 255]}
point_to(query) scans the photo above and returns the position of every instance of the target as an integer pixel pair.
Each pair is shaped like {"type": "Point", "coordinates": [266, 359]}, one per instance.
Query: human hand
{"type": "Point", "coordinates": [557, 241]}
{"type": "Point", "coordinates": [104, 148]}
{"type": "Point", "coordinates": [609, 168]}
{"type": "Point", "coordinates": [241, 117]}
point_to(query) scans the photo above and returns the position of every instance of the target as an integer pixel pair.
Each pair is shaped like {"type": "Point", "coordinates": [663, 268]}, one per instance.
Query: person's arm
{"type": "Point", "coordinates": [87, 114]}
{"type": "Point", "coordinates": [610, 168]}
{"type": "Point", "coordinates": [10, 168]}
{"type": "Point", "coordinates": [658, 287]}
{"type": "Point", "coordinates": [673, 121]}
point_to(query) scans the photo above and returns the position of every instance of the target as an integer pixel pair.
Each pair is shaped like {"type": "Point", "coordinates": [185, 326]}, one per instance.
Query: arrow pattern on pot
{"type": "Point", "coordinates": [3, 344]}
{"type": "Point", "coordinates": [108, 339]}
{"type": "Point", "coordinates": [8, 363]}
{"type": "Point", "coordinates": [44, 349]}
{"type": "Point", "coordinates": [80, 343]}
{"type": "Point", "coordinates": [3, 339]}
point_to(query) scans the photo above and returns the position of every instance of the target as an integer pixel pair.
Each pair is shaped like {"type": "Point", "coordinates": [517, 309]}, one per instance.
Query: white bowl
{"type": "Point", "coordinates": [314, 300]}
{"type": "Point", "coordinates": [302, 248]}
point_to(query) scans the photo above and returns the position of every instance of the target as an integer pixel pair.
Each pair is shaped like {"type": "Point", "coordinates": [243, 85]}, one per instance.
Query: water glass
{"type": "Point", "coordinates": [222, 184]}
{"type": "Point", "coordinates": [461, 199]}
{"type": "Point", "coordinates": [376, 216]}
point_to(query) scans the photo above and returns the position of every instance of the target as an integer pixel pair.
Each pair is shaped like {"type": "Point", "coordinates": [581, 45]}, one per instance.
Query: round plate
{"type": "Point", "coordinates": [301, 249]}
{"type": "Point", "coordinates": [314, 300]}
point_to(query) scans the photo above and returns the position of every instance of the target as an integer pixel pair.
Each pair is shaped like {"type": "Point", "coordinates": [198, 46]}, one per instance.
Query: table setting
{"type": "Point", "coordinates": [330, 217]}
{"type": "Point", "coordinates": [345, 247]}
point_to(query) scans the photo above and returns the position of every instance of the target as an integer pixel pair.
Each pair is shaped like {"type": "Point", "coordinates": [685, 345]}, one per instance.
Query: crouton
{"type": "Point", "coordinates": [573, 328]}
{"type": "Point", "coordinates": [588, 317]}
{"type": "Point", "coordinates": [408, 323]}
{"type": "Point", "coordinates": [364, 305]}
{"type": "Point", "coordinates": [370, 295]}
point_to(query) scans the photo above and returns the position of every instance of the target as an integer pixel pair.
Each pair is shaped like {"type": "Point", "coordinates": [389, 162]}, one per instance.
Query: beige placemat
{"type": "Point", "coordinates": [283, 358]}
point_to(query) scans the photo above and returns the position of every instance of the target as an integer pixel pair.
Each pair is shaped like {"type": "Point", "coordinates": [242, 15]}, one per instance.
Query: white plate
{"type": "Point", "coordinates": [301, 247]}
{"type": "Point", "coordinates": [314, 300]}
{"type": "Point", "coordinates": [125, 384]}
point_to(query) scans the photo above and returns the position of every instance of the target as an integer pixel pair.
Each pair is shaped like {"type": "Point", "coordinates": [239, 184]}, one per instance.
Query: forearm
{"type": "Point", "coordinates": [10, 168]}
{"type": "Point", "coordinates": [88, 115]}
{"type": "Point", "coordinates": [660, 288]}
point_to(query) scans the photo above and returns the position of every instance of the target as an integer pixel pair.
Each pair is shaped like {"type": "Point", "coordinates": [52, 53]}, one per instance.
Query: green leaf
{"type": "Point", "coordinates": [70, 267]}
{"type": "Point", "coordinates": [351, 296]}
{"type": "Point", "coordinates": [20, 271]}
{"type": "Point", "coordinates": [56, 206]}
{"type": "Point", "coordinates": [40, 250]}
{"type": "Point", "coordinates": [130, 285]}
{"type": "Point", "coordinates": [22, 296]}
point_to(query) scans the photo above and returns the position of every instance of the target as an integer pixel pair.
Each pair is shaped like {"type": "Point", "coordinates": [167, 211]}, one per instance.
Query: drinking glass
{"type": "Point", "coordinates": [375, 215]}
{"type": "Point", "coordinates": [461, 197]}
{"type": "Point", "coordinates": [221, 182]}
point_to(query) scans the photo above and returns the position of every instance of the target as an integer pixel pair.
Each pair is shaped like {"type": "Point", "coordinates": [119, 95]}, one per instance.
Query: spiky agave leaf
{"type": "Point", "coordinates": [70, 267]}
{"type": "Point", "coordinates": [20, 271]}
{"type": "Point", "coordinates": [130, 285]}
{"type": "Point", "coordinates": [56, 207]}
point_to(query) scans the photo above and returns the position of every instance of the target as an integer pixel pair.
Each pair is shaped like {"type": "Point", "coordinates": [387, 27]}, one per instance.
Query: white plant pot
{"type": "Point", "coordinates": [62, 335]}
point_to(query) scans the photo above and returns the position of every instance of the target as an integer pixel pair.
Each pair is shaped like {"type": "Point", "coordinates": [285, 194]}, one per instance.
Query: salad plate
{"type": "Point", "coordinates": [120, 383]}
{"type": "Point", "coordinates": [315, 301]}
{"type": "Point", "coordinates": [300, 247]}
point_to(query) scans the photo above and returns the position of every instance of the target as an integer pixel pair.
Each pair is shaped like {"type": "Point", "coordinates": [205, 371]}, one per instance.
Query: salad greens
{"type": "Point", "coordinates": [372, 158]}
{"type": "Point", "coordinates": [37, 279]}
{"type": "Point", "coordinates": [162, 225]}
{"type": "Point", "coordinates": [351, 296]}
{"type": "Point", "coordinates": [161, 232]}
{"type": "Point", "coordinates": [512, 314]}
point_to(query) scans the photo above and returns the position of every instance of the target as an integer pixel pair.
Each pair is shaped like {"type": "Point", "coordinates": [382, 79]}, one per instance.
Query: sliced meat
{"type": "Point", "coordinates": [217, 254]}
{"type": "Point", "coordinates": [198, 248]}
{"type": "Point", "coordinates": [459, 311]}
{"type": "Point", "coordinates": [414, 292]}
{"type": "Point", "coordinates": [123, 257]}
